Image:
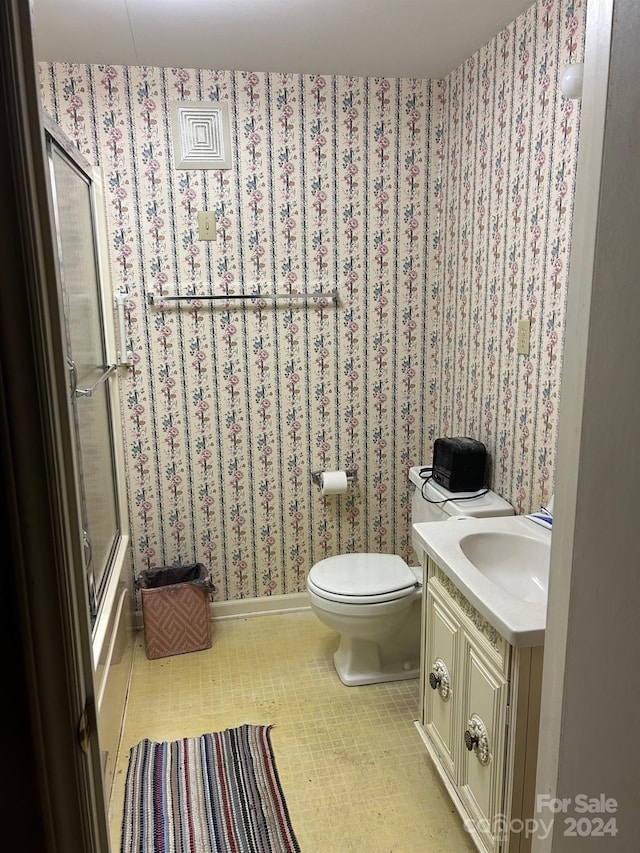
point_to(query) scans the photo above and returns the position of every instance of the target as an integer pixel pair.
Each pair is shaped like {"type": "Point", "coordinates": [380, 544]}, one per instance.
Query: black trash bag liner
{"type": "Point", "coordinates": [194, 573]}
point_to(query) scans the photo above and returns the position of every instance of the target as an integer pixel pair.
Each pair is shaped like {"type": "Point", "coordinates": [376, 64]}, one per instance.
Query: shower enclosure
{"type": "Point", "coordinates": [92, 367]}
{"type": "Point", "coordinates": [87, 308]}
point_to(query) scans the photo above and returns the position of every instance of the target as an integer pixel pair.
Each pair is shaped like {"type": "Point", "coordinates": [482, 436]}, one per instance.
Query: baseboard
{"type": "Point", "coordinates": [241, 608]}
{"type": "Point", "coordinates": [260, 606]}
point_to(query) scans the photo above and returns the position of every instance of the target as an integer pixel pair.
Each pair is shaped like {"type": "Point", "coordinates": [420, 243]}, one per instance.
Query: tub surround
{"type": "Point", "coordinates": [112, 676]}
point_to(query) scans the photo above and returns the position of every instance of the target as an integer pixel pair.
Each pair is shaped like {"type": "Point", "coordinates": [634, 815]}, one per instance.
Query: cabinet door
{"type": "Point", "coordinates": [481, 763]}
{"type": "Point", "coordinates": [440, 698]}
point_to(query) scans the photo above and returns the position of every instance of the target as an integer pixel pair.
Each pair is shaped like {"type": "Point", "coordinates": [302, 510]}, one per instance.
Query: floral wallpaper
{"type": "Point", "coordinates": [504, 149]}
{"type": "Point", "coordinates": [441, 213]}
{"type": "Point", "coordinates": [229, 407]}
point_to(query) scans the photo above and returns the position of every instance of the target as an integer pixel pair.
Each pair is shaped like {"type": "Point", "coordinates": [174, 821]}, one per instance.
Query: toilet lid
{"type": "Point", "coordinates": [363, 575]}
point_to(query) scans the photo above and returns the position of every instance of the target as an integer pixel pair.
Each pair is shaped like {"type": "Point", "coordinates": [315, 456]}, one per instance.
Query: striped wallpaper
{"type": "Point", "coordinates": [440, 211]}
{"type": "Point", "coordinates": [504, 143]}
{"type": "Point", "coordinates": [229, 409]}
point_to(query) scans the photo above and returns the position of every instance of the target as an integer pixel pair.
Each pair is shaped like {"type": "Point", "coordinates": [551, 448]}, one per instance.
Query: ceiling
{"type": "Point", "coordinates": [372, 38]}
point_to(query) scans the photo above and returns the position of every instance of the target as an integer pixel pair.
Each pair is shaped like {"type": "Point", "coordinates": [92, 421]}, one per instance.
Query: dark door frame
{"type": "Point", "coordinates": [52, 796]}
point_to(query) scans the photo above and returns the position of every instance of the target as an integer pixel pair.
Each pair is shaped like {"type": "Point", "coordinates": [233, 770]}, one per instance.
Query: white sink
{"type": "Point", "coordinates": [500, 565]}
{"type": "Point", "coordinates": [516, 563]}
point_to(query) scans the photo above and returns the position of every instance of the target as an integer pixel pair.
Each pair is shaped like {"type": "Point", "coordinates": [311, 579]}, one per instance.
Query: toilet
{"type": "Point", "coordinates": [374, 601]}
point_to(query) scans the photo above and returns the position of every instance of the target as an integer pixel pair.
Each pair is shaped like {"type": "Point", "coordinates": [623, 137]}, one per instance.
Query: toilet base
{"type": "Point", "coordinates": [357, 676]}
{"type": "Point", "coordinates": [361, 661]}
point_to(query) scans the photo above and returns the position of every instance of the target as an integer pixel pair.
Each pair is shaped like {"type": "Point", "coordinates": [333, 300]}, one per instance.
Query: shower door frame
{"type": "Point", "coordinates": [101, 600]}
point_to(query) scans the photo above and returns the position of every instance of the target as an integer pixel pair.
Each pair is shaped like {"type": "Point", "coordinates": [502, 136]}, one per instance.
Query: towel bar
{"type": "Point", "coordinates": [332, 296]}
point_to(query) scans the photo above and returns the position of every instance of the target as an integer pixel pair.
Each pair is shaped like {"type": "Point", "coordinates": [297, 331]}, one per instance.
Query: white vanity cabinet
{"type": "Point", "coordinates": [479, 716]}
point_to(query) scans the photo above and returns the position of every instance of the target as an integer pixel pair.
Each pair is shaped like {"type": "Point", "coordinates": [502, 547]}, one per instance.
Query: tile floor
{"type": "Point", "coordinates": [355, 774]}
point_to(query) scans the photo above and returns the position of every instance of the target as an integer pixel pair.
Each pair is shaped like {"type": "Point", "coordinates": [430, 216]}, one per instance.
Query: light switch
{"type": "Point", "coordinates": [524, 333]}
{"type": "Point", "coordinates": [206, 225]}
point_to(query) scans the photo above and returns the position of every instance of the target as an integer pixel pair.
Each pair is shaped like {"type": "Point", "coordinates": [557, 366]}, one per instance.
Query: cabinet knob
{"type": "Point", "coordinates": [470, 740]}
{"type": "Point", "coordinates": [439, 678]}
{"type": "Point", "coordinates": [477, 739]}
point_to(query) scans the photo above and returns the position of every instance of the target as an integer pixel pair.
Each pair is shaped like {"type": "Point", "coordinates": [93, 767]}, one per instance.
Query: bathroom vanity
{"type": "Point", "coordinates": [481, 671]}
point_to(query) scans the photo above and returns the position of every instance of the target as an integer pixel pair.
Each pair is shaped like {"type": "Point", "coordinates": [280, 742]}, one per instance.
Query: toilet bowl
{"type": "Point", "coordinates": [374, 601]}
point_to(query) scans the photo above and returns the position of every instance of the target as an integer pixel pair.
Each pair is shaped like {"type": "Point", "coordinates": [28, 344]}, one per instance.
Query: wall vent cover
{"type": "Point", "coordinates": [201, 138]}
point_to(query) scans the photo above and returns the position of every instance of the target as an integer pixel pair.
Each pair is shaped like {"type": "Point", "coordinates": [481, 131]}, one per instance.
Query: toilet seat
{"type": "Point", "coordinates": [362, 578]}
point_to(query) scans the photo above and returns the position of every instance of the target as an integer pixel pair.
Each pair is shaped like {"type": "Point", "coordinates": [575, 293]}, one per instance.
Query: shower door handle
{"type": "Point", "coordinates": [91, 584]}
{"type": "Point", "coordinates": [73, 375]}
{"type": "Point", "coordinates": [87, 392]}
{"type": "Point", "coordinates": [88, 553]}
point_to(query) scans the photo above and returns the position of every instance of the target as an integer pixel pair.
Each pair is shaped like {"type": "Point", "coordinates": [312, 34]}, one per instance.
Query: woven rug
{"type": "Point", "coordinates": [218, 793]}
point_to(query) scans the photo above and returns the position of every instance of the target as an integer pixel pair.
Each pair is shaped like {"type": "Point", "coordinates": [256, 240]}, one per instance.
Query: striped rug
{"type": "Point", "coordinates": [218, 792]}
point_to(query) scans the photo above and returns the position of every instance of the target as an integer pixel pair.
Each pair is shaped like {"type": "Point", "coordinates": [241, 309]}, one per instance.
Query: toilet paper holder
{"type": "Point", "coordinates": [316, 475]}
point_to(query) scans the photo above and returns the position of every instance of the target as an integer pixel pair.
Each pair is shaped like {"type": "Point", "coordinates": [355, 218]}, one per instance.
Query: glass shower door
{"type": "Point", "coordinates": [89, 373]}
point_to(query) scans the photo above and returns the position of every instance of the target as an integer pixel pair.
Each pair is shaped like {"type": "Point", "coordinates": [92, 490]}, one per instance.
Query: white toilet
{"type": "Point", "coordinates": [374, 600]}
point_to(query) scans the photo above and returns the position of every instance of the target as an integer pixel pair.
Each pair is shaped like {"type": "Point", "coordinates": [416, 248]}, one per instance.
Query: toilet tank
{"type": "Point", "coordinates": [432, 502]}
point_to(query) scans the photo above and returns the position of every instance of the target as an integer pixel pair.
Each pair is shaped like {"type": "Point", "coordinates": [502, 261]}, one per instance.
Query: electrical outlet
{"type": "Point", "coordinates": [524, 333]}
{"type": "Point", "coordinates": [206, 225]}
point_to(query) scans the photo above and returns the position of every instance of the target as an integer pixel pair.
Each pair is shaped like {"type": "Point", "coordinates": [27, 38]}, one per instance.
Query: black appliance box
{"type": "Point", "coordinates": [459, 464]}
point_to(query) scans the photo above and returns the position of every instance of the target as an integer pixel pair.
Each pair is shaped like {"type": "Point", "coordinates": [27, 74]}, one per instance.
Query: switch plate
{"type": "Point", "coordinates": [206, 225]}
{"type": "Point", "coordinates": [524, 333]}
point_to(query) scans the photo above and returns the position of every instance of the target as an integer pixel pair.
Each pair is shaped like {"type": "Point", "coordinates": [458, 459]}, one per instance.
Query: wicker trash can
{"type": "Point", "coordinates": [175, 609]}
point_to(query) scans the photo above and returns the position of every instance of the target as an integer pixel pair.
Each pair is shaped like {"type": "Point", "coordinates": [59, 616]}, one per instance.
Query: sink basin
{"type": "Point", "coordinates": [500, 565]}
{"type": "Point", "coordinates": [516, 563]}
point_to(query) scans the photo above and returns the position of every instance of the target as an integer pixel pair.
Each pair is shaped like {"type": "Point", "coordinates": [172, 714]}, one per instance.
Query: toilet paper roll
{"type": "Point", "coordinates": [333, 482]}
